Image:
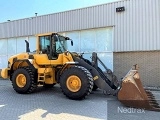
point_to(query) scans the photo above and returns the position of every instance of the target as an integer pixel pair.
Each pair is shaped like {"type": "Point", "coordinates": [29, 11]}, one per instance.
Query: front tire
{"type": "Point", "coordinates": [76, 82]}
{"type": "Point", "coordinates": [23, 80]}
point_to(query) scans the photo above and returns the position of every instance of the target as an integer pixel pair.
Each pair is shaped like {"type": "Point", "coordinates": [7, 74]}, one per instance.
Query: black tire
{"type": "Point", "coordinates": [10, 77]}
{"type": "Point", "coordinates": [86, 82]}
{"type": "Point", "coordinates": [31, 83]}
{"type": "Point", "coordinates": [94, 86]}
{"type": "Point", "coordinates": [48, 85]}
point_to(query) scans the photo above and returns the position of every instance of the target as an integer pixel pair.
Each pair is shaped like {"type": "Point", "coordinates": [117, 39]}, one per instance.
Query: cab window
{"type": "Point", "coordinates": [44, 42]}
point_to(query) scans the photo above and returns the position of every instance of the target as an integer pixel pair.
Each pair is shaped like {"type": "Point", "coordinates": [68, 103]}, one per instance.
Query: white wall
{"type": "Point", "coordinates": [12, 46]}
{"type": "Point", "coordinates": [93, 40]}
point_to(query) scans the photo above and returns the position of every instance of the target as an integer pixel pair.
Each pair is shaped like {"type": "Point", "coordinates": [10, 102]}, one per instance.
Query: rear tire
{"type": "Point", "coordinates": [76, 82]}
{"type": "Point", "coordinates": [23, 80]}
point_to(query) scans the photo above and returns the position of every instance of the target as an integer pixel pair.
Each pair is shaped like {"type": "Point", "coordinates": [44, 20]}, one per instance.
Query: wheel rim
{"type": "Point", "coordinates": [73, 83]}
{"type": "Point", "coordinates": [21, 80]}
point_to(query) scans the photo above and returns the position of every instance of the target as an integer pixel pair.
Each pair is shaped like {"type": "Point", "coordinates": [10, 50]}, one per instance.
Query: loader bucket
{"type": "Point", "coordinates": [132, 93]}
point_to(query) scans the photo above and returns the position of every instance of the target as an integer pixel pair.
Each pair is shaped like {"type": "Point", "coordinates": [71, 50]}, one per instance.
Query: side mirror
{"type": "Point", "coordinates": [71, 43]}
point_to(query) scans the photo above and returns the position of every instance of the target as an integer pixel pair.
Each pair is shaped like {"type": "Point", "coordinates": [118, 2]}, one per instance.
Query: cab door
{"type": "Point", "coordinates": [44, 43]}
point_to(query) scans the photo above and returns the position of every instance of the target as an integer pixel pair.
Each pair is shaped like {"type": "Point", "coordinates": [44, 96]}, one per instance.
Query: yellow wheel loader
{"type": "Point", "coordinates": [51, 63]}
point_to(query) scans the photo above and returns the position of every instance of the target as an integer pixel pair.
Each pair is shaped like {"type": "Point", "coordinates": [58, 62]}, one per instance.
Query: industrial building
{"type": "Point", "coordinates": [123, 33]}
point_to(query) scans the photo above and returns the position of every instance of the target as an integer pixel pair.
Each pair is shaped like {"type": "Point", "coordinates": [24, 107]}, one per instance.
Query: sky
{"type": "Point", "coordinates": [19, 9]}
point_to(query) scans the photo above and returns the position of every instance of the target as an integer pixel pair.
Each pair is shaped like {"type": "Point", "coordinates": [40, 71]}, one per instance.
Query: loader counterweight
{"type": "Point", "coordinates": [5, 73]}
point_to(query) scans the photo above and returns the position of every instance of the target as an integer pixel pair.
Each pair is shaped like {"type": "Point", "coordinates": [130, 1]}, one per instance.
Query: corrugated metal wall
{"type": "Point", "coordinates": [136, 29]}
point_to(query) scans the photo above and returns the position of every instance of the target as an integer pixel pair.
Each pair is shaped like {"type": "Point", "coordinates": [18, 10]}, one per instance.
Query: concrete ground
{"type": "Point", "coordinates": [51, 104]}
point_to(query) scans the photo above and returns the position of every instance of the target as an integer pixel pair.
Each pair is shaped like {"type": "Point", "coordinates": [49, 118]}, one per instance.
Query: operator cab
{"type": "Point", "coordinates": [53, 45]}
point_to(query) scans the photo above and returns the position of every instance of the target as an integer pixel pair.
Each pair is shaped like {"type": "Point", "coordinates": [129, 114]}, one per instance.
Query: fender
{"type": "Point", "coordinates": [21, 63]}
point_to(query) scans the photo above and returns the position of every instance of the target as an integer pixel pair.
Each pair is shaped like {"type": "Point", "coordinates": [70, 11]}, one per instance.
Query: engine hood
{"type": "Point", "coordinates": [18, 57]}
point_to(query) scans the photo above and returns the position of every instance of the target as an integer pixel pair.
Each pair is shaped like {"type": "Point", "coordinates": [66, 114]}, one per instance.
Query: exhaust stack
{"type": "Point", "coordinates": [27, 46]}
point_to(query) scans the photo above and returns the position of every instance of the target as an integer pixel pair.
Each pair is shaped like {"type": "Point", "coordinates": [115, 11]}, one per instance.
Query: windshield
{"type": "Point", "coordinates": [61, 44]}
